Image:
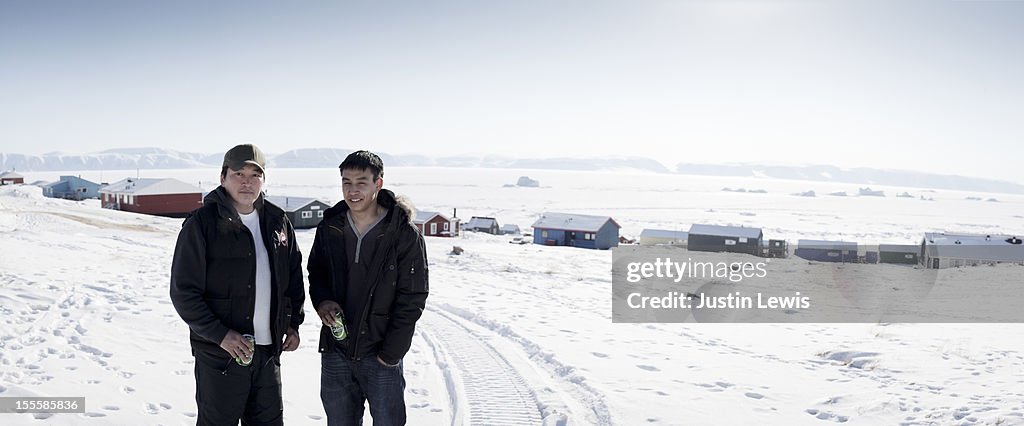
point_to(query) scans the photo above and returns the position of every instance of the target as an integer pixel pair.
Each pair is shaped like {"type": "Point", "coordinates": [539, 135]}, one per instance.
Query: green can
{"type": "Point", "coordinates": [245, 361]}
{"type": "Point", "coordinates": [338, 329]}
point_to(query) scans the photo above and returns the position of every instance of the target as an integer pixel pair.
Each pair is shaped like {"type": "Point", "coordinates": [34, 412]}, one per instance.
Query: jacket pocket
{"type": "Point", "coordinates": [378, 325]}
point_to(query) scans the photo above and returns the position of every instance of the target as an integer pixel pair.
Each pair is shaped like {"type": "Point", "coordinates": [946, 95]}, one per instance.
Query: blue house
{"type": "Point", "coordinates": [826, 251]}
{"type": "Point", "coordinates": [72, 188]}
{"type": "Point", "coordinates": [576, 230]}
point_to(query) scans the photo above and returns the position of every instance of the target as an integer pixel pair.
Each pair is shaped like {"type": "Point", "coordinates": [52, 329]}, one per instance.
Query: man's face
{"type": "Point", "coordinates": [359, 189]}
{"type": "Point", "coordinates": [243, 186]}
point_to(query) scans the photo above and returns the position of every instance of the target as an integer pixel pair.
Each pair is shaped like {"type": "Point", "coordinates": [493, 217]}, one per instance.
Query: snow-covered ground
{"type": "Point", "coordinates": [517, 334]}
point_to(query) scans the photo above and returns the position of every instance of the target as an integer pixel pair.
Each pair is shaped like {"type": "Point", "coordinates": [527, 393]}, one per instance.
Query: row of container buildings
{"type": "Point", "coordinates": [936, 250]}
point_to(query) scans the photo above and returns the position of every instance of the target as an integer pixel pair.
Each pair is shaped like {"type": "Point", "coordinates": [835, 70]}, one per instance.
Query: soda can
{"type": "Point", "coordinates": [338, 329]}
{"type": "Point", "coordinates": [251, 341]}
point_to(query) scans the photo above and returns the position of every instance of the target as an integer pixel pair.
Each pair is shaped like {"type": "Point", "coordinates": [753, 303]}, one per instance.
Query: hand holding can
{"type": "Point", "coordinates": [338, 328]}
{"type": "Point", "coordinates": [251, 342]}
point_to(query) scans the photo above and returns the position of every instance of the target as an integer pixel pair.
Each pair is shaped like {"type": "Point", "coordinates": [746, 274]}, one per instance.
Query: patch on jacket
{"type": "Point", "coordinates": [281, 237]}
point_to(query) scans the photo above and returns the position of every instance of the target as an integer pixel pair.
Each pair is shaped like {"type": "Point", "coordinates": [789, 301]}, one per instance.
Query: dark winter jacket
{"type": "Point", "coordinates": [213, 275]}
{"type": "Point", "coordinates": [397, 282]}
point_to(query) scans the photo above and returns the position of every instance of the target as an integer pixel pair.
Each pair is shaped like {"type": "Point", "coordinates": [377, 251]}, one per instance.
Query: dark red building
{"type": "Point", "coordinates": [160, 197]}
{"type": "Point", "coordinates": [434, 224]}
{"type": "Point", "coordinates": [10, 178]}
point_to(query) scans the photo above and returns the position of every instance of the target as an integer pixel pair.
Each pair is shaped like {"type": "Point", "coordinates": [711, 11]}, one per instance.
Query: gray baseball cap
{"type": "Point", "coordinates": [236, 158]}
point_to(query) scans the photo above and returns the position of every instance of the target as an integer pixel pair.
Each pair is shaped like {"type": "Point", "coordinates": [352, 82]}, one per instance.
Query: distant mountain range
{"type": "Point", "coordinates": [157, 158]}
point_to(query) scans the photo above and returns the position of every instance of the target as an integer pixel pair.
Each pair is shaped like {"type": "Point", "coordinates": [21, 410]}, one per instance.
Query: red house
{"type": "Point", "coordinates": [434, 224]}
{"type": "Point", "coordinates": [160, 197]}
{"type": "Point", "coordinates": [9, 178]}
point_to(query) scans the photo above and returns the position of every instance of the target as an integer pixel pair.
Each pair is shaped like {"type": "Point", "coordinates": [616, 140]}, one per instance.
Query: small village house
{"type": "Point", "coordinates": [72, 188]}
{"type": "Point", "coordinates": [576, 230]}
{"type": "Point", "coordinates": [302, 212]}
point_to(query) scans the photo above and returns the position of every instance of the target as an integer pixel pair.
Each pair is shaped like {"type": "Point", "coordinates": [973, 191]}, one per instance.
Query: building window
{"type": "Point", "coordinates": [544, 234]}
{"type": "Point", "coordinates": [307, 214]}
{"type": "Point", "coordinates": [433, 228]}
{"type": "Point", "coordinates": [320, 213]}
{"type": "Point", "coordinates": [446, 224]}
{"type": "Point", "coordinates": [730, 242]}
{"type": "Point", "coordinates": [743, 240]}
{"type": "Point", "coordinates": [588, 236]}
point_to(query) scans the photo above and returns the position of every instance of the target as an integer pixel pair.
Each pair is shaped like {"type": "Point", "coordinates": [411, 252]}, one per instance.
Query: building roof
{"type": "Point", "coordinates": [573, 222]}
{"type": "Point", "coordinates": [509, 227]}
{"type": "Point", "coordinates": [826, 245]}
{"type": "Point", "coordinates": [10, 175]}
{"type": "Point", "coordinates": [424, 217]}
{"type": "Point", "coordinates": [480, 222]}
{"type": "Point", "coordinates": [976, 247]}
{"type": "Point", "coordinates": [69, 179]}
{"type": "Point", "coordinates": [664, 233]}
{"type": "Point", "coordinates": [725, 231]}
{"type": "Point", "coordinates": [290, 204]}
{"type": "Point", "coordinates": [899, 248]}
{"type": "Point", "coordinates": [136, 187]}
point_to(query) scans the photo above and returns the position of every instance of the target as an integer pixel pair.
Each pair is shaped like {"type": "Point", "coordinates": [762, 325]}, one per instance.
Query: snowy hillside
{"type": "Point", "coordinates": [518, 334]}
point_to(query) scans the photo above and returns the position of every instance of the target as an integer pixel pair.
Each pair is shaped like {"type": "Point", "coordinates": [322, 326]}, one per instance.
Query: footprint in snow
{"type": "Point", "coordinates": [824, 415]}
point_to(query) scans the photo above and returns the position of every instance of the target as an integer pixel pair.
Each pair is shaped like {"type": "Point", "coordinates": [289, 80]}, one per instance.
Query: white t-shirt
{"type": "Point", "coordinates": [261, 316]}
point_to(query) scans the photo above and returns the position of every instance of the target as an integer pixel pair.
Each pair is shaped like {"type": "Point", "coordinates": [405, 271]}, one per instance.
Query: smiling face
{"type": "Point", "coordinates": [243, 186]}
{"type": "Point", "coordinates": [360, 190]}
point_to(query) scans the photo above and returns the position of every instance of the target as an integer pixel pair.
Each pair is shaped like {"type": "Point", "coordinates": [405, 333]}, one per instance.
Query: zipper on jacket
{"type": "Point", "coordinates": [369, 299]}
{"type": "Point", "coordinates": [369, 303]}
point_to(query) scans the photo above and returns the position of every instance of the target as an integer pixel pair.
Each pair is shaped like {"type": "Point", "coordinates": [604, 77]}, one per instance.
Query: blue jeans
{"type": "Point", "coordinates": [345, 384]}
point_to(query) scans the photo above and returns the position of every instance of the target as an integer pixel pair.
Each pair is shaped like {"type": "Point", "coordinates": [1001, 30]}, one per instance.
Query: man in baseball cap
{"type": "Point", "coordinates": [241, 312]}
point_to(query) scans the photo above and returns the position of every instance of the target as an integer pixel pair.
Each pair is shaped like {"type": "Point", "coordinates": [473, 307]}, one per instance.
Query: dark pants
{"type": "Point", "coordinates": [345, 384]}
{"type": "Point", "coordinates": [227, 392]}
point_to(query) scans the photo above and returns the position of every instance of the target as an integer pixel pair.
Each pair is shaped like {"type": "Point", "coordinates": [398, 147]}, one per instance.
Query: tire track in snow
{"type": "Point", "coordinates": [491, 390]}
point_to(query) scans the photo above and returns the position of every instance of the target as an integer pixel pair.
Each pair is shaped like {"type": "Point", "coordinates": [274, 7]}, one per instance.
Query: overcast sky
{"type": "Point", "coordinates": [933, 86]}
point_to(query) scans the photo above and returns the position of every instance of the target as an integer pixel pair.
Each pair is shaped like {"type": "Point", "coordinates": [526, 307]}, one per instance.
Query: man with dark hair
{"type": "Point", "coordinates": [369, 263]}
{"type": "Point", "coordinates": [236, 280]}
